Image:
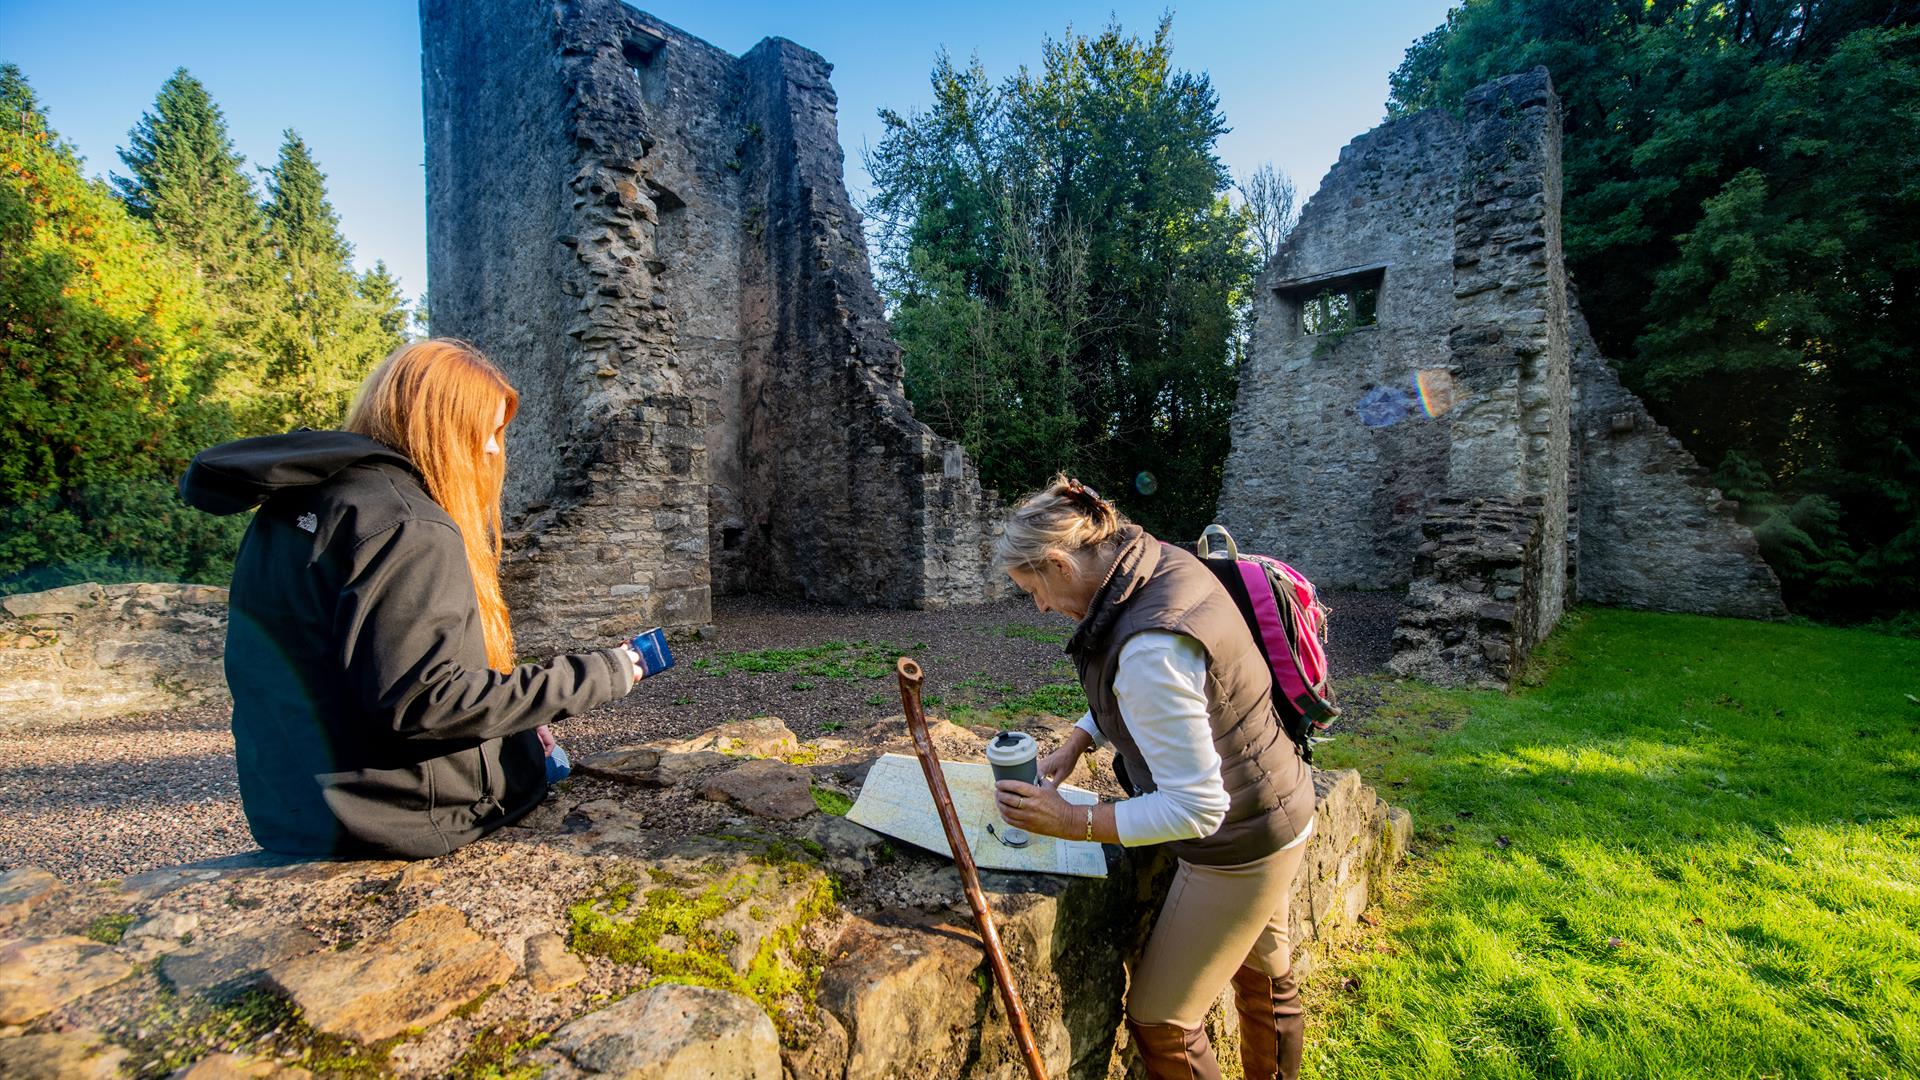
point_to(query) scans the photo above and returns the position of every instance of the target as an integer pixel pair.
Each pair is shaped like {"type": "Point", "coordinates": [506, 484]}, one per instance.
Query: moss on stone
{"type": "Point", "coordinates": [495, 1053]}
{"type": "Point", "coordinates": [108, 929]}
{"type": "Point", "coordinates": [831, 802]}
{"type": "Point", "coordinates": [673, 933]}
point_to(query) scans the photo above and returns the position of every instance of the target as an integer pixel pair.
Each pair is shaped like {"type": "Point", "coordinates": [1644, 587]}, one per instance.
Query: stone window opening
{"type": "Point", "coordinates": [1335, 303]}
{"type": "Point", "coordinates": [642, 51]}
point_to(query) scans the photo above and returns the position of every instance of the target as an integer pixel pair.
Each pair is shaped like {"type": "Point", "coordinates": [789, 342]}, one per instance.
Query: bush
{"type": "Point", "coordinates": [127, 530]}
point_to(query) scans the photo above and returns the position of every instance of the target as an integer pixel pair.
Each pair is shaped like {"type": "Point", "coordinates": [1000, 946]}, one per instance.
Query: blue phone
{"type": "Point", "coordinates": [655, 657]}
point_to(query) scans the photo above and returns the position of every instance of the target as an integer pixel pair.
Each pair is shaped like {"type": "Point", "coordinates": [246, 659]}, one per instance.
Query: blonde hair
{"type": "Point", "coordinates": [435, 401]}
{"type": "Point", "coordinates": [1065, 516]}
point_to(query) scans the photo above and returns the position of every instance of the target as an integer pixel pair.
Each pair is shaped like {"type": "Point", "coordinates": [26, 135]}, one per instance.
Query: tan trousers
{"type": "Point", "coordinates": [1216, 919]}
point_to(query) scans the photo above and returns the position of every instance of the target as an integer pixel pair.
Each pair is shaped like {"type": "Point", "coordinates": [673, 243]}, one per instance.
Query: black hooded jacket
{"type": "Point", "coordinates": [365, 718]}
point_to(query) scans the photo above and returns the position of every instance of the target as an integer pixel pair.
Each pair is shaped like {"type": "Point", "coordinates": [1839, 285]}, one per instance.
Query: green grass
{"type": "Point", "coordinates": [1050, 635]}
{"type": "Point", "coordinates": [1692, 849]}
{"type": "Point", "coordinates": [1056, 699]}
{"type": "Point", "coordinates": [831, 660]}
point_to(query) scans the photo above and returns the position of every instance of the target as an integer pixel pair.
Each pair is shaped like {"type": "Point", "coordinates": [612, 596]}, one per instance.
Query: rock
{"type": "Point", "coordinates": [235, 1067]}
{"type": "Point", "coordinates": [38, 975]}
{"type": "Point", "coordinates": [851, 849]}
{"type": "Point", "coordinates": [603, 823]}
{"type": "Point", "coordinates": [760, 737]}
{"type": "Point", "coordinates": [550, 967]}
{"type": "Point", "coordinates": [671, 1031]}
{"type": "Point", "coordinates": [159, 933]}
{"type": "Point", "coordinates": [410, 975]}
{"type": "Point", "coordinates": [907, 998]}
{"type": "Point", "coordinates": [825, 1052]}
{"type": "Point", "coordinates": [236, 961]}
{"type": "Point", "coordinates": [951, 741]}
{"type": "Point", "coordinates": [66, 600]}
{"type": "Point", "coordinates": [22, 889]}
{"type": "Point", "coordinates": [420, 875]}
{"type": "Point", "coordinates": [87, 651]}
{"type": "Point", "coordinates": [72, 1055]}
{"type": "Point", "coordinates": [765, 788]}
{"type": "Point", "coordinates": [647, 766]}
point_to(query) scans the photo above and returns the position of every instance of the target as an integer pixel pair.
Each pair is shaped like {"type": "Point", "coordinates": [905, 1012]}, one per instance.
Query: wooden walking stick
{"type": "Point", "coordinates": [910, 677]}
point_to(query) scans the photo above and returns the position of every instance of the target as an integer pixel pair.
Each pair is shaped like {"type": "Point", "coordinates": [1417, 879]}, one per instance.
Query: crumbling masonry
{"type": "Point", "coordinates": [653, 239]}
{"type": "Point", "coordinates": [1424, 407]}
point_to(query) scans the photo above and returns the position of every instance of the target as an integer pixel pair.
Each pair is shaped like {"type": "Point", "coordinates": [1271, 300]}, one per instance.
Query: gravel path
{"type": "Point", "coordinates": [107, 798]}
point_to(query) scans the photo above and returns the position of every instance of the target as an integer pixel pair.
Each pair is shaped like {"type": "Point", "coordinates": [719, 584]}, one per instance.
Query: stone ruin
{"type": "Point", "coordinates": [652, 237]}
{"type": "Point", "coordinates": [1424, 407]}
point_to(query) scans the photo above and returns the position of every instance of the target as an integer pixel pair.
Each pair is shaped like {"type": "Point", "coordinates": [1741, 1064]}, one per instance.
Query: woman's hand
{"type": "Point", "coordinates": [1057, 766]}
{"type": "Point", "coordinates": [545, 735]}
{"type": "Point", "coordinates": [1038, 808]}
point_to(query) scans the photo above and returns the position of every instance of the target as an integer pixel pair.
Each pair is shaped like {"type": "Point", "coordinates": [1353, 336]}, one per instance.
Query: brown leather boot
{"type": "Point", "coordinates": [1273, 1026]}
{"type": "Point", "coordinates": [1172, 1052]}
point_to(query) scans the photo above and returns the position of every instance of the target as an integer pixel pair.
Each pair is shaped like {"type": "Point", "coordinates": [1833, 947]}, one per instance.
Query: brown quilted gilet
{"type": "Point", "coordinates": [1155, 586]}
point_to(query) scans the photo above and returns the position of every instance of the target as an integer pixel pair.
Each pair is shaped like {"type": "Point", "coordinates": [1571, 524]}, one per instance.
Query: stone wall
{"type": "Point", "coordinates": [1473, 611]}
{"type": "Point", "coordinates": [1653, 531]}
{"type": "Point", "coordinates": [1334, 461]}
{"type": "Point", "coordinates": [1509, 350]}
{"type": "Point", "coordinates": [89, 651]}
{"type": "Point", "coordinates": [1478, 380]}
{"type": "Point", "coordinates": [653, 238]}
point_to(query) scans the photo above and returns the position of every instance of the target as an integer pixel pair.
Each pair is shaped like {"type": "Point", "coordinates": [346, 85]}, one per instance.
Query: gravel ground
{"type": "Point", "coordinates": [107, 798]}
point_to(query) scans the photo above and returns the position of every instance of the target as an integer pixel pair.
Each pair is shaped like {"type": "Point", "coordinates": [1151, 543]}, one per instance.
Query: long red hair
{"type": "Point", "coordinates": [435, 401]}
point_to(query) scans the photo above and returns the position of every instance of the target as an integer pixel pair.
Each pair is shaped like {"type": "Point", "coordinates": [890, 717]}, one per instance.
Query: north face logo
{"type": "Point", "coordinates": [309, 522]}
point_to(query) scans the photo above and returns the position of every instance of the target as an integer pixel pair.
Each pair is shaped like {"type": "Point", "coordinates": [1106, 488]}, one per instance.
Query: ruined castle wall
{"type": "Point", "coordinates": [493, 95]}
{"type": "Point", "coordinates": [1335, 458]}
{"type": "Point", "coordinates": [1510, 346]}
{"type": "Point", "coordinates": [1654, 531]}
{"type": "Point", "coordinates": [711, 396]}
{"type": "Point", "coordinates": [851, 500]}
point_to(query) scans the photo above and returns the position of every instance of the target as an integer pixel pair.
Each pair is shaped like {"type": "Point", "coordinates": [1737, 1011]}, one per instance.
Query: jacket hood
{"type": "Point", "coordinates": [238, 476]}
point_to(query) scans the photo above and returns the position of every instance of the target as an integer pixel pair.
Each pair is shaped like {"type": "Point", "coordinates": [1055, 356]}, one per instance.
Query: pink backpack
{"type": "Point", "coordinates": [1289, 623]}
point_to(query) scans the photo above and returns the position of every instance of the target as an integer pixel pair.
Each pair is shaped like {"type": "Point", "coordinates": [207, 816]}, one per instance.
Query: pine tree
{"type": "Point", "coordinates": [327, 333]}
{"type": "Point", "coordinates": [188, 180]}
{"type": "Point", "coordinates": [190, 184]}
{"type": "Point", "coordinates": [380, 288]}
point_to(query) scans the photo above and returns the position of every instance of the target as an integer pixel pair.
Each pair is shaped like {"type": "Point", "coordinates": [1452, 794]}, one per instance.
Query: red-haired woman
{"type": "Point", "coordinates": [377, 707]}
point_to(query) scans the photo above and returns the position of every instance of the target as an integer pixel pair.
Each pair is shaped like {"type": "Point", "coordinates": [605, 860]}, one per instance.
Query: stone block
{"type": "Point", "coordinates": [411, 975]}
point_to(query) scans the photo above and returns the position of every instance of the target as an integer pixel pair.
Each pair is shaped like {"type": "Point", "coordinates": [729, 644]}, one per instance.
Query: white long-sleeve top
{"type": "Point", "coordinates": [1161, 685]}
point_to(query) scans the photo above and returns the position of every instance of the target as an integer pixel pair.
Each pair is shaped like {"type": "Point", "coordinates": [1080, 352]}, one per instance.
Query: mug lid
{"type": "Point", "coordinates": [1012, 748]}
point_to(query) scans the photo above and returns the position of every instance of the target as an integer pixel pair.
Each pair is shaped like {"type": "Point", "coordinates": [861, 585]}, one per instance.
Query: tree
{"type": "Point", "coordinates": [1061, 258]}
{"type": "Point", "coordinates": [1744, 228]}
{"type": "Point", "coordinates": [1269, 198]}
{"type": "Point", "coordinates": [103, 372]}
{"type": "Point", "coordinates": [380, 289]}
{"type": "Point", "coordinates": [189, 182]}
{"type": "Point", "coordinates": [326, 331]}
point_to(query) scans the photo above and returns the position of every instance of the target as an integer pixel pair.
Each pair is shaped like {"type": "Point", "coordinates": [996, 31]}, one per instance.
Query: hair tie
{"type": "Point", "coordinates": [1082, 491]}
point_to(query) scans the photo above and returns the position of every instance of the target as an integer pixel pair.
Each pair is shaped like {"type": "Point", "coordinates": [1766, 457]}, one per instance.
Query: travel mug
{"type": "Point", "coordinates": [1014, 756]}
{"type": "Point", "coordinates": [655, 657]}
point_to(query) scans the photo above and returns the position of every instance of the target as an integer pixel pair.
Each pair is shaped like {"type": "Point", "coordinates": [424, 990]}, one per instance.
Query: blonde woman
{"type": "Point", "coordinates": [1181, 692]}
{"type": "Point", "coordinates": [377, 706]}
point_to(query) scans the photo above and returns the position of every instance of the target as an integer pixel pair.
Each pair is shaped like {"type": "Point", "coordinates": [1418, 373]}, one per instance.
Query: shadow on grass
{"type": "Point", "coordinates": [1692, 848]}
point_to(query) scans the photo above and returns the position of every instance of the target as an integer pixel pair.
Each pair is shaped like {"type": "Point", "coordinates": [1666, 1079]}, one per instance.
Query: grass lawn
{"type": "Point", "coordinates": [1690, 849]}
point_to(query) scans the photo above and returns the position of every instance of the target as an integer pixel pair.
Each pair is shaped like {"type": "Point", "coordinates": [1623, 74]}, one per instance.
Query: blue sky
{"type": "Point", "coordinates": [1297, 79]}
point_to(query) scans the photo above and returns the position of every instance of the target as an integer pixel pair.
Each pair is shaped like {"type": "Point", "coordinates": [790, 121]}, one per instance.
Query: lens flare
{"type": "Point", "coordinates": [1145, 483]}
{"type": "Point", "coordinates": [1384, 406]}
{"type": "Point", "coordinates": [1436, 390]}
